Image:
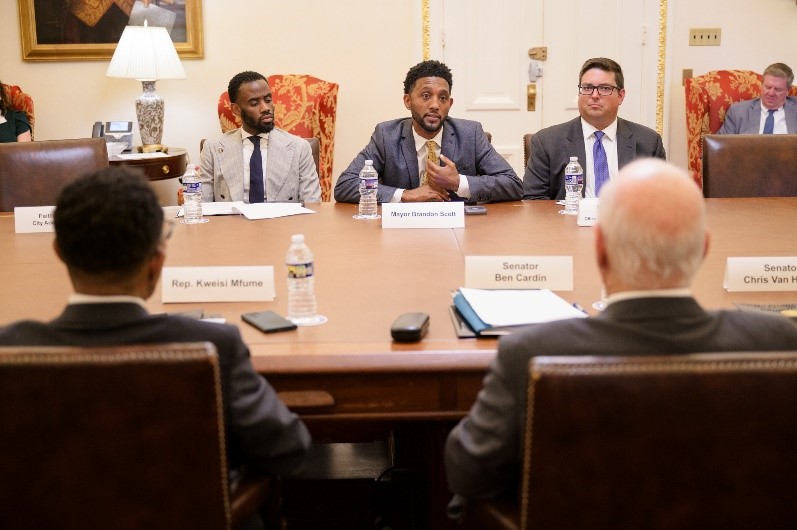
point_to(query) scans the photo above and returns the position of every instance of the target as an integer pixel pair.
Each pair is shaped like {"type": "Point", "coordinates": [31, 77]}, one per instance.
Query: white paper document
{"type": "Point", "coordinates": [518, 307]}
{"type": "Point", "coordinates": [265, 210]}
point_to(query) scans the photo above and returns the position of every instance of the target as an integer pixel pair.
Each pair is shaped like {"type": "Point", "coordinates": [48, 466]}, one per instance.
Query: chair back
{"type": "Point", "coordinates": [112, 437]}
{"type": "Point", "coordinates": [750, 165]}
{"type": "Point", "coordinates": [679, 441]}
{"type": "Point", "coordinates": [305, 106]}
{"type": "Point", "coordinates": [527, 148]}
{"type": "Point", "coordinates": [21, 101]}
{"type": "Point", "coordinates": [33, 173]}
{"type": "Point", "coordinates": [708, 97]}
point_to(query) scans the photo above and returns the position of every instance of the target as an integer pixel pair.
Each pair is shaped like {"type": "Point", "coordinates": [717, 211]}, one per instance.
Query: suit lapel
{"type": "Point", "coordinates": [278, 162]}
{"type": "Point", "coordinates": [790, 107]}
{"type": "Point", "coordinates": [626, 147]}
{"type": "Point", "coordinates": [232, 167]}
{"type": "Point", "coordinates": [410, 155]}
{"type": "Point", "coordinates": [753, 118]}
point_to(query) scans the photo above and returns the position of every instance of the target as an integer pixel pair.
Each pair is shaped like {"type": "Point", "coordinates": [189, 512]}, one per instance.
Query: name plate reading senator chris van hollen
{"type": "Point", "coordinates": [423, 215]}
{"type": "Point", "coordinates": [761, 274]}
{"type": "Point", "coordinates": [218, 284]}
{"type": "Point", "coordinates": [519, 272]}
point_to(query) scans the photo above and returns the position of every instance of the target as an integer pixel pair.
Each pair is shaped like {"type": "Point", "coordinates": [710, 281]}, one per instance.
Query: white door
{"type": "Point", "coordinates": [486, 45]}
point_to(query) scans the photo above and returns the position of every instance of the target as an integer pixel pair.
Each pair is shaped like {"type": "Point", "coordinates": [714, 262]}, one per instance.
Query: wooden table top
{"type": "Point", "coordinates": [366, 276]}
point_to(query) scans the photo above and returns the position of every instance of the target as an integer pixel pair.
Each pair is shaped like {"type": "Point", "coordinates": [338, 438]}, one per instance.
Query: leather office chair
{"type": "Point", "coordinates": [116, 437]}
{"type": "Point", "coordinates": [677, 441]}
{"type": "Point", "coordinates": [750, 165]}
{"type": "Point", "coordinates": [708, 97]}
{"type": "Point", "coordinates": [305, 106]}
{"type": "Point", "coordinates": [21, 101]}
{"type": "Point", "coordinates": [33, 173]}
{"type": "Point", "coordinates": [527, 148]}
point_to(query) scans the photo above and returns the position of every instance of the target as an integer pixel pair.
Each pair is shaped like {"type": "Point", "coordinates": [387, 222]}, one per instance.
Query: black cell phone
{"type": "Point", "coordinates": [268, 321]}
{"type": "Point", "coordinates": [410, 327]}
{"type": "Point", "coordinates": [475, 209]}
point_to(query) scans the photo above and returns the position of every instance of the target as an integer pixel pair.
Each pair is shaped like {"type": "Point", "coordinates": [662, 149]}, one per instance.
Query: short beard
{"type": "Point", "coordinates": [257, 126]}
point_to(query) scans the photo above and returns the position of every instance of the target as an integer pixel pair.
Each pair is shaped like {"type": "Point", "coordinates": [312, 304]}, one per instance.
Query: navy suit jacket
{"type": "Point", "coordinates": [744, 117]}
{"type": "Point", "coordinates": [483, 454]}
{"type": "Point", "coordinates": [261, 432]}
{"type": "Point", "coordinates": [392, 148]}
{"type": "Point", "coordinates": [552, 147]}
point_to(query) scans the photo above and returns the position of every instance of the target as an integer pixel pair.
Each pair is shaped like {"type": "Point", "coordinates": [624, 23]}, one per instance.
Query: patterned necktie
{"type": "Point", "coordinates": [600, 165]}
{"type": "Point", "coordinates": [256, 191]}
{"type": "Point", "coordinates": [769, 123]}
{"type": "Point", "coordinates": [431, 157]}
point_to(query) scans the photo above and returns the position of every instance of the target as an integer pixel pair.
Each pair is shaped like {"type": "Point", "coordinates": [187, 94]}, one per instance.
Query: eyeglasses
{"type": "Point", "coordinates": [168, 228]}
{"type": "Point", "coordinates": [603, 90]}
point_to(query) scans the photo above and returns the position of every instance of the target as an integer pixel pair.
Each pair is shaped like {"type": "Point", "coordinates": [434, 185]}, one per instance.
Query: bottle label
{"type": "Point", "coordinates": [192, 187]}
{"type": "Point", "coordinates": [370, 183]}
{"type": "Point", "coordinates": [574, 179]}
{"type": "Point", "coordinates": [300, 270]}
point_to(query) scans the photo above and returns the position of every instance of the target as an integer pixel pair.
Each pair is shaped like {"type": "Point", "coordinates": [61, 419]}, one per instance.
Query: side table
{"type": "Point", "coordinates": [162, 172]}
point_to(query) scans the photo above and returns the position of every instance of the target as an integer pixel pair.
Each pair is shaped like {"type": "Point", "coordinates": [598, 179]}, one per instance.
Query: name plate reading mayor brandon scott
{"type": "Point", "coordinates": [519, 272]}
{"type": "Point", "coordinates": [423, 215]}
{"type": "Point", "coordinates": [217, 284]}
{"type": "Point", "coordinates": [761, 274]}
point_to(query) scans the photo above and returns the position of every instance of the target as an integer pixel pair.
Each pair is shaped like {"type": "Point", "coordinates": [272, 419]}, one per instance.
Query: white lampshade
{"type": "Point", "coordinates": [145, 53]}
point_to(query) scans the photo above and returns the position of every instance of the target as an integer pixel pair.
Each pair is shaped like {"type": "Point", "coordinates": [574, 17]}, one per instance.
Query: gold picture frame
{"type": "Point", "coordinates": [52, 50]}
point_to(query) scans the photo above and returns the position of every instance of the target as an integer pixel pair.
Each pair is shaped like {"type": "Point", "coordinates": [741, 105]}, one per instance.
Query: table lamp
{"type": "Point", "coordinates": [146, 53]}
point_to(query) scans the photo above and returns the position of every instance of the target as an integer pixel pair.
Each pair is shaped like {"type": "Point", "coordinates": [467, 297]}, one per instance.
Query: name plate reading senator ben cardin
{"type": "Point", "coordinates": [519, 272]}
{"type": "Point", "coordinates": [761, 274]}
{"type": "Point", "coordinates": [217, 284]}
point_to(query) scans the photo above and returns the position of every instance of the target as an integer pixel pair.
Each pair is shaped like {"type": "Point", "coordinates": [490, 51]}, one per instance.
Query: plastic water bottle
{"type": "Point", "coordinates": [574, 182]}
{"type": "Point", "coordinates": [192, 197]}
{"type": "Point", "coordinates": [369, 185]}
{"type": "Point", "coordinates": [301, 284]}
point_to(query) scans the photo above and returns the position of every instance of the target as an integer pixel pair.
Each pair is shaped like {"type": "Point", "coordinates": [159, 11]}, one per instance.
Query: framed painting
{"type": "Point", "coordinates": [86, 30]}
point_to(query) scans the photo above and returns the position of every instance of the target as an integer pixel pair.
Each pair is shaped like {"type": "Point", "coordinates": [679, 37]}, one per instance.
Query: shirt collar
{"type": "Point", "coordinates": [245, 136]}
{"type": "Point", "coordinates": [589, 130]}
{"type": "Point", "coordinates": [79, 298]}
{"type": "Point", "coordinates": [681, 292]}
{"type": "Point", "coordinates": [420, 141]}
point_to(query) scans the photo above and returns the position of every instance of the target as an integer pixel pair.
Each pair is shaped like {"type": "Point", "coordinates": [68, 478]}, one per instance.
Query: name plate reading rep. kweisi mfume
{"type": "Point", "coordinates": [519, 272]}
{"type": "Point", "coordinates": [218, 284]}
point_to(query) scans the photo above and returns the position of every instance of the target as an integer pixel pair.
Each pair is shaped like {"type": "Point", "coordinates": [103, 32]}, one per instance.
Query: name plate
{"type": "Point", "coordinates": [423, 215]}
{"type": "Point", "coordinates": [29, 219]}
{"type": "Point", "coordinates": [519, 272]}
{"type": "Point", "coordinates": [588, 212]}
{"type": "Point", "coordinates": [761, 274]}
{"type": "Point", "coordinates": [217, 284]}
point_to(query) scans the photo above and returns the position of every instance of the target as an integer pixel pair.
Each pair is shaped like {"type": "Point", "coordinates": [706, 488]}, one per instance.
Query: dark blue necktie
{"type": "Point", "coordinates": [599, 163]}
{"type": "Point", "coordinates": [769, 123]}
{"type": "Point", "coordinates": [256, 191]}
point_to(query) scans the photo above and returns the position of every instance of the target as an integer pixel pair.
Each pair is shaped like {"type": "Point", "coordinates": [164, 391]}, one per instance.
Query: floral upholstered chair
{"type": "Point", "coordinates": [708, 97]}
{"type": "Point", "coordinates": [305, 106]}
{"type": "Point", "coordinates": [20, 101]}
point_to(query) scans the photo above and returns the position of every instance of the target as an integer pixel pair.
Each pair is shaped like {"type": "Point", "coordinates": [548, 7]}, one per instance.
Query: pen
{"type": "Point", "coordinates": [578, 306]}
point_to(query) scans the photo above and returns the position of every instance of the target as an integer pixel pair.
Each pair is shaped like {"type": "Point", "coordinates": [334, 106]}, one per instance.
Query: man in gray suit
{"type": "Point", "coordinates": [110, 234]}
{"type": "Point", "coordinates": [596, 135]}
{"type": "Point", "coordinates": [257, 162]}
{"type": "Point", "coordinates": [775, 112]}
{"type": "Point", "coordinates": [650, 240]}
{"type": "Point", "coordinates": [469, 168]}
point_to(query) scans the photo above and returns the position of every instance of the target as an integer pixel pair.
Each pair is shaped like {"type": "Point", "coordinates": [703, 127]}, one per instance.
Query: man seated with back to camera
{"type": "Point", "coordinates": [469, 168]}
{"type": "Point", "coordinates": [602, 142]}
{"type": "Point", "coordinates": [650, 240]}
{"type": "Point", "coordinates": [110, 234]}
{"type": "Point", "coordinates": [257, 162]}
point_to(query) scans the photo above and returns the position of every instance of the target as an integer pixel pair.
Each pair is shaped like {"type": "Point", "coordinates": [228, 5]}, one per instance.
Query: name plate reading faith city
{"type": "Point", "coordinates": [30, 219]}
{"type": "Point", "coordinates": [217, 284]}
{"type": "Point", "coordinates": [519, 272]}
{"type": "Point", "coordinates": [761, 274]}
{"type": "Point", "coordinates": [587, 212]}
{"type": "Point", "coordinates": [423, 215]}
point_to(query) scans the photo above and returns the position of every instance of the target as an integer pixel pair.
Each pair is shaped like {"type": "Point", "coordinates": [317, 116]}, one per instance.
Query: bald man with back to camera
{"type": "Point", "coordinates": [650, 240]}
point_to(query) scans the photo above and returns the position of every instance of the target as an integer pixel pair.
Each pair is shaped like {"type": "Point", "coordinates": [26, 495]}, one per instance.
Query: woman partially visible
{"type": "Point", "coordinates": [14, 126]}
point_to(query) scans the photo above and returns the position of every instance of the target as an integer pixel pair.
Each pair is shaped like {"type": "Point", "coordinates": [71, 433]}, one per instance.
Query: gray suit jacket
{"type": "Point", "coordinates": [290, 170]}
{"type": "Point", "coordinates": [744, 117]}
{"type": "Point", "coordinates": [262, 433]}
{"type": "Point", "coordinates": [483, 453]}
{"type": "Point", "coordinates": [392, 148]}
{"type": "Point", "coordinates": [552, 147]}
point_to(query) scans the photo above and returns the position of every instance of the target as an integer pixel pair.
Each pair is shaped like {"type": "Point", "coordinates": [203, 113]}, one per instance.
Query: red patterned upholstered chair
{"type": "Point", "coordinates": [305, 106]}
{"type": "Point", "coordinates": [20, 101]}
{"type": "Point", "coordinates": [708, 97]}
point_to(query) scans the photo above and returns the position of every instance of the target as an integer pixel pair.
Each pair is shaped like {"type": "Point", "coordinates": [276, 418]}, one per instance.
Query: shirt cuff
{"type": "Point", "coordinates": [464, 187]}
{"type": "Point", "coordinates": [397, 195]}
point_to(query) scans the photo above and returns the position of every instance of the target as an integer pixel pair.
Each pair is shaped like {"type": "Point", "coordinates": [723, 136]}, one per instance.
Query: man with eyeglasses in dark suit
{"type": "Point", "coordinates": [602, 142]}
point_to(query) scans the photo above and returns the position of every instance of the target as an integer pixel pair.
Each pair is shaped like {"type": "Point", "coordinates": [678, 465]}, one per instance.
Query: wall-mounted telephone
{"type": "Point", "coordinates": [117, 131]}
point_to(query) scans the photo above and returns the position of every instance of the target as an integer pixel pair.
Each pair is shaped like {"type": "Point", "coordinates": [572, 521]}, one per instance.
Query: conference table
{"type": "Point", "coordinates": [366, 276]}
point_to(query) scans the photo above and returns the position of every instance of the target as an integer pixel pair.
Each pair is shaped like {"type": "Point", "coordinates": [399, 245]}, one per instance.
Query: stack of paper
{"type": "Point", "coordinates": [263, 210]}
{"type": "Point", "coordinates": [500, 312]}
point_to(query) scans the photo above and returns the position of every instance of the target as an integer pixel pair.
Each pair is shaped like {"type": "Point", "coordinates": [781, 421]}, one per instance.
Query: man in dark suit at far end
{"type": "Point", "coordinates": [110, 234]}
{"type": "Point", "coordinates": [602, 142]}
{"type": "Point", "coordinates": [429, 156]}
{"type": "Point", "coordinates": [650, 240]}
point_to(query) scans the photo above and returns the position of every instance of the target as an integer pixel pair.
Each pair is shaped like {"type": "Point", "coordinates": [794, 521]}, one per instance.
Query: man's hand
{"type": "Point", "coordinates": [445, 177]}
{"type": "Point", "coordinates": [425, 193]}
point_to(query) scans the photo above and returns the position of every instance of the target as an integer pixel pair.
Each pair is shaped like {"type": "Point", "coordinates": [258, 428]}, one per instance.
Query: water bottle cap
{"type": "Point", "coordinates": [369, 162]}
{"type": "Point", "coordinates": [297, 238]}
{"type": "Point", "coordinates": [574, 159]}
